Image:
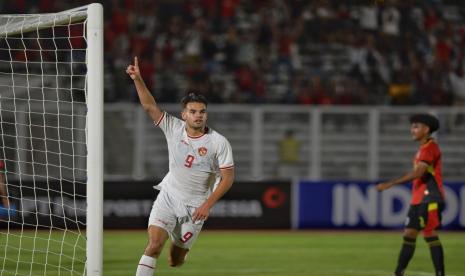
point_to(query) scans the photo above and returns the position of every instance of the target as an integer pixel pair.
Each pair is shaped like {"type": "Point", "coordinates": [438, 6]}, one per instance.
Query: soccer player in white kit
{"type": "Point", "coordinates": [201, 171]}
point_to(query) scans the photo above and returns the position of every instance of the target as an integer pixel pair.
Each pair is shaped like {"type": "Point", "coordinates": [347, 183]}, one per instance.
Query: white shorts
{"type": "Point", "coordinates": [176, 218]}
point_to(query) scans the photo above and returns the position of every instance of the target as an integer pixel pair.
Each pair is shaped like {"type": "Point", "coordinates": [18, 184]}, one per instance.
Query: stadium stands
{"type": "Point", "coordinates": [303, 52]}
{"type": "Point", "coordinates": [283, 52]}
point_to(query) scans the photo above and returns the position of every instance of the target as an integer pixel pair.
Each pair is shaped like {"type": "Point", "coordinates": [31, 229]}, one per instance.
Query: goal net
{"type": "Point", "coordinates": [51, 143]}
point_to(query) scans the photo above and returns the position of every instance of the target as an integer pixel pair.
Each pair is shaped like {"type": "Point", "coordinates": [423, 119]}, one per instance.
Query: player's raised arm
{"type": "Point", "coordinates": [146, 99]}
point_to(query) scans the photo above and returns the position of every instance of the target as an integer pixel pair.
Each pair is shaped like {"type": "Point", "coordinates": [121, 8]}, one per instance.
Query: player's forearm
{"type": "Point", "coordinates": [145, 97]}
{"type": "Point", "coordinates": [219, 192]}
{"type": "Point", "coordinates": [147, 100]}
{"type": "Point", "coordinates": [418, 171]}
{"type": "Point", "coordinates": [403, 179]}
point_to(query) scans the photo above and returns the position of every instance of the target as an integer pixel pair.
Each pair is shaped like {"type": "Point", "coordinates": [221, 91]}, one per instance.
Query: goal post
{"type": "Point", "coordinates": [95, 140]}
{"type": "Point", "coordinates": [51, 142]}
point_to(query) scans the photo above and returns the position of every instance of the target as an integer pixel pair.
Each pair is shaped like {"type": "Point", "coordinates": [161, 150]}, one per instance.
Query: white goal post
{"type": "Point", "coordinates": [51, 142]}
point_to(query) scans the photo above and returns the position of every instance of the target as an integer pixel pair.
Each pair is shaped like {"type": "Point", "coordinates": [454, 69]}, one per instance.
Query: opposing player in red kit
{"type": "Point", "coordinates": [427, 195]}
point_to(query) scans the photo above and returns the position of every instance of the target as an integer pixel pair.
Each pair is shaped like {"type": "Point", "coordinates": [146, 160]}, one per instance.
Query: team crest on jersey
{"type": "Point", "coordinates": [202, 151]}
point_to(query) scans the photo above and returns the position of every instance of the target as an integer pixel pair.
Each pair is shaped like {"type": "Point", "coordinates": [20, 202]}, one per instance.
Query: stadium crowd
{"type": "Point", "coordinates": [276, 51]}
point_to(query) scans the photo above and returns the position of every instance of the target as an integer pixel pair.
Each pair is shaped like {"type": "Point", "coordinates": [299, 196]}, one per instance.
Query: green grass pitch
{"type": "Point", "coordinates": [285, 253]}
{"type": "Point", "coordinates": [231, 253]}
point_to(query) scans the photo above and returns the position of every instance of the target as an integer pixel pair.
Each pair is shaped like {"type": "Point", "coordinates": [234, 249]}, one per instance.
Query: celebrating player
{"type": "Point", "coordinates": [201, 171]}
{"type": "Point", "coordinates": [427, 195]}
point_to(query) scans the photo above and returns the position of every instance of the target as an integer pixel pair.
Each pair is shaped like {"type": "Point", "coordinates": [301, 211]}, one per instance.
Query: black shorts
{"type": "Point", "coordinates": [425, 216]}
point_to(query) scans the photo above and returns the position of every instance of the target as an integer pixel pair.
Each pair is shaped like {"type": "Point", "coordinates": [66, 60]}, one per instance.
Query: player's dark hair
{"type": "Point", "coordinates": [193, 97]}
{"type": "Point", "coordinates": [427, 119]}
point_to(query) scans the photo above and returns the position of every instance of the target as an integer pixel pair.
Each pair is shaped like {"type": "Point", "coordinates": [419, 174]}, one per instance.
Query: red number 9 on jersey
{"type": "Point", "coordinates": [189, 160]}
{"type": "Point", "coordinates": [186, 237]}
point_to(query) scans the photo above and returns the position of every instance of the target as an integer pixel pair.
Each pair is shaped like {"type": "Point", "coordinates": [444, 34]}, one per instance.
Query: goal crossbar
{"type": "Point", "coordinates": [17, 25]}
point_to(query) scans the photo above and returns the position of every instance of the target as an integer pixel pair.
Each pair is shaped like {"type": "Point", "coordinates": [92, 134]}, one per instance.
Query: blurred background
{"type": "Point", "coordinates": [314, 97]}
{"type": "Point", "coordinates": [322, 52]}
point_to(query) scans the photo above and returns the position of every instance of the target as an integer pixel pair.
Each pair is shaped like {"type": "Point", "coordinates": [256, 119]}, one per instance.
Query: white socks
{"type": "Point", "coordinates": [146, 266]}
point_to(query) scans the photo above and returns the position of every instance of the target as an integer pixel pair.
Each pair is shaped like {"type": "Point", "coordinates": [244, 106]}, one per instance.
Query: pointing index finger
{"type": "Point", "coordinates": [136, 62]}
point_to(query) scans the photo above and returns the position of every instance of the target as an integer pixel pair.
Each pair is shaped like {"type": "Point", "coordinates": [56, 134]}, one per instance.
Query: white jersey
{"type": "Point", "coordinates": [194, 162]}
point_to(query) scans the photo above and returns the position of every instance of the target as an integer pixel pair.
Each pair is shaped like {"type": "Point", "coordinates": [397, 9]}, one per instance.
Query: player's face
{"type": "Point", "coordinates": [195, 115]}
{"type": "Point", "coordinates": [419, 131]}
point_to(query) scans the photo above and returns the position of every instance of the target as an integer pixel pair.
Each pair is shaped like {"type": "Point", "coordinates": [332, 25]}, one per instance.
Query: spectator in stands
{"type": "Point", "coordinates": [343, 93]}
{"type": "Point", "coordinates": [245, 82]}
{"type": "Point", "coordinates": [443, 51]}
{"type": "Point", "coordinates": [400, 89]}
{"type": "Point", "coordinates": [430, 19]}
{"type": "Point", "coordinates": [193, 41]}
{"type": "Point", "coordinates": [457, 82]}
{"type": "Point", "coordinates": [390, 19]}
{"type": "Point", "coordinates": [259, 88]}
{"type": "Point", "coordinates": [230, 48]}
{"type": "Point", "coordinates": [265, 37]}
{"type": "Point", "coordinates": [390, 27]}
{"type": "Point", "coordinates": [321, 95]}
{"type": "Point", "coordinates": [228, 10]}
{"type": "Point", "coordinates": [368, 16]}
{"type": "Point", "coordinates": [289, 149]}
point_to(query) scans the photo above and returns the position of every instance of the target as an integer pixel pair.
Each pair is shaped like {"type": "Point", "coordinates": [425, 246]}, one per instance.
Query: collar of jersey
{"type": "Point", "coordinates": [430, 140]}
{"type": "Point", "coordinates": [187, 136]}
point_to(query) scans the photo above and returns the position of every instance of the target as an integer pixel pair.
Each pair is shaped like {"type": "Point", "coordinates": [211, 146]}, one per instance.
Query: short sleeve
{"type": "Point", "coordinates": [428, 155]}
{"type": "Point", "coordinates": [168, 123]}
{"type": "Point", "coordinates": [224, 154]}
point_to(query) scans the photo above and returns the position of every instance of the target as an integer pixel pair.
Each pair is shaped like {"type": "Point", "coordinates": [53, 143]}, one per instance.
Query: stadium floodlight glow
{"type": "Point", "coordinates": [51, 141]}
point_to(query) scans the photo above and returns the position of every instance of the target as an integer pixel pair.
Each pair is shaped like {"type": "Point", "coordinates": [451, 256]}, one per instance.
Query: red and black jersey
{"type": "Point", "coordinates": [2, 166]}
{"type": "Point", "coordinates": [428, 188]}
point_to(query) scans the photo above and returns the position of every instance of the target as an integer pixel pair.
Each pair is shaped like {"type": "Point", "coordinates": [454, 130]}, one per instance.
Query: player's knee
{"type": "Point", "coordinates": [411, 233]}
{"type": "Point", "coordinates": [154, 248]}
